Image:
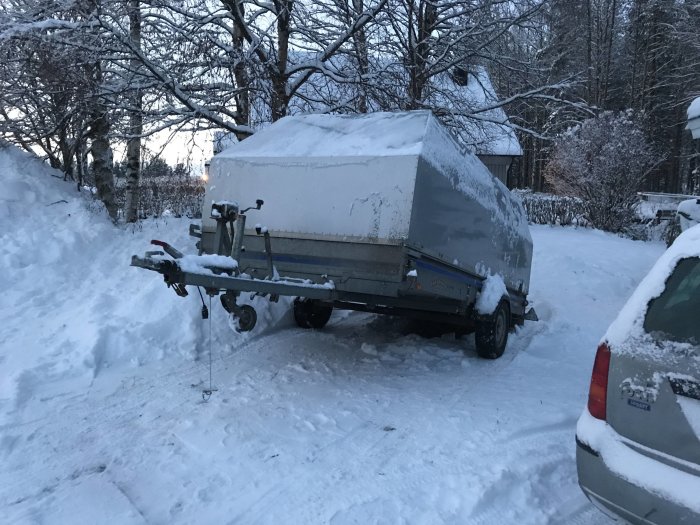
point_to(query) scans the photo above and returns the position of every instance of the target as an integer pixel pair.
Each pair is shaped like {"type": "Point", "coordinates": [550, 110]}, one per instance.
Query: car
{"type": "Point", "coordinates": [638, 439]}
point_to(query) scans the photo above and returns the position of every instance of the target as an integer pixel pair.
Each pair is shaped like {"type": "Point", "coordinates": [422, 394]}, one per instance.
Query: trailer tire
{"type": "Point", "coordinates": [310, 313]}
{"type": "Point", "coordinates": [491, 335]}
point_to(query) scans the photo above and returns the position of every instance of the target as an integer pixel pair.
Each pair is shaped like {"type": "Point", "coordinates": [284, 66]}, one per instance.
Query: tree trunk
{"type": "Point", "coordinates": [360, 41]}
{"type": "Point", "coordinates": [133, 145]}
{"type": "Point", "coordinates": [240, 74]}
{"type": "Point", "coordinates": [280, 97]}
{"type": "Point", "coordinates": [419, 51]}
{"type": "Point", "coordinates": [99, 128]}
{"type": "Point", "coordinates": [79, 161]}
{"type": "Point", "coordinates": [102, 159]}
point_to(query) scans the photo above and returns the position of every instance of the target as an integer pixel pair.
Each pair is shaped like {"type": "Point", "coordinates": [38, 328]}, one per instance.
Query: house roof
{"type": "Point", "coordinates": [470, 110]}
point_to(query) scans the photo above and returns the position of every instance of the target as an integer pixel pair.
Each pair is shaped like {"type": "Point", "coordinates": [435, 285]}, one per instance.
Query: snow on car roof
{"type": "Point", "coordinates": [694, 109]}
{"type": "Point", "coordinates": [319, 135]}
{"type": "Point", "coordinates": [694, 118]}
{"type": "Point", "coordinates": [630, 320]}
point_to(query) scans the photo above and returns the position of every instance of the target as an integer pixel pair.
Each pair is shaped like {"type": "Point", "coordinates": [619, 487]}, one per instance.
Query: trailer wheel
{"type": "Point", "coordinates": [247, 317]}
{"type": "Point", "coordinates": [491, 333]}
{"type": "Point", "coordinates": [310, 313]}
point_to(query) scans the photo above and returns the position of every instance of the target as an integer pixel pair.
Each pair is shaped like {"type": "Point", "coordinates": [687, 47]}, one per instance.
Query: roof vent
{"type": "Point", "coordinates": [460, 75]}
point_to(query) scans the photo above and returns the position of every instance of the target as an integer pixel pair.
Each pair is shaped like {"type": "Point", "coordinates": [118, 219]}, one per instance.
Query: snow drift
{"type": "Point", "coordinates": [71, 306]}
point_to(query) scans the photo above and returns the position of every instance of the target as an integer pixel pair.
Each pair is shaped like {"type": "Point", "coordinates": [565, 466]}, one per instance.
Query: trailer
{"type": "Point", "coordinates": [383, 212]}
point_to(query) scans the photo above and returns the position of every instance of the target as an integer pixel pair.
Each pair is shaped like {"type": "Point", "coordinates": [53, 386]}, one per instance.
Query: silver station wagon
{"type": "Point", "coordinates": [638, 440]}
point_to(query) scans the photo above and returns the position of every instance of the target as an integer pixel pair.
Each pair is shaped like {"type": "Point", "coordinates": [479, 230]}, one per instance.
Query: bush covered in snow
{"type": "Point", "coordinates": [544, 208]}
{"type": "Point", "coordinates": [603, 161]}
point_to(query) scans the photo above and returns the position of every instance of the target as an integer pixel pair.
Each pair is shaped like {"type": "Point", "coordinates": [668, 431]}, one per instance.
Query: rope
{"type": "Point", "coordinates": [206, 394]}
{"type": "Point", "coordinates": [210, 345]}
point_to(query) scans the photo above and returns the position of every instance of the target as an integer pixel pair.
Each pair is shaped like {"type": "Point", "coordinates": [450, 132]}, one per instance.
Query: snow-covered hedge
{"type": "Point", "coordinates": [179, 197]}
{"type": "Point", "coordinates": [544, 208]}
{"type": "Point", "coordinates": [557, 210]}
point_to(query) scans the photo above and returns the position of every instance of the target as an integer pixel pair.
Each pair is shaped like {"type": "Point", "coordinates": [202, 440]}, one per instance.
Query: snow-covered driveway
{"type": "Point", "coordinates": [102, 421]}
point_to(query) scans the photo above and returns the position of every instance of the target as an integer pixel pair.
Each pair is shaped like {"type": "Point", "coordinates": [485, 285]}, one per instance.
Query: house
{"type": "Point", "coordinates": [464, 98]}
{"type": "Point", "coordinates": [486, 131]}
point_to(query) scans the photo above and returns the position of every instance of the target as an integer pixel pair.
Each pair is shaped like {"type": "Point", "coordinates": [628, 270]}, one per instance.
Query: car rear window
{"type": "Point", "coordinates": [675, 314]}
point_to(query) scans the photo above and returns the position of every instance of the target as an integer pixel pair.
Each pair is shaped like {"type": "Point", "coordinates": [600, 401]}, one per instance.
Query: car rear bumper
{"type": "Point", "coordinates": [617, 496]}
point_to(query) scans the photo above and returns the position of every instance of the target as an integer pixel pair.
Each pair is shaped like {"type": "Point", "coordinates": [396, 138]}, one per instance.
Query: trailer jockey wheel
{"type": "Point", "coordinates": [311, 313]}
{"type": "Point", "coordinates": [491, 333]}
{"type": "Point", "coordinates": [247, 317]}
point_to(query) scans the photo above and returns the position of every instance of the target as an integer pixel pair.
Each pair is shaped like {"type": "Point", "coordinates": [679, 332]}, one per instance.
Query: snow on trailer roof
{"type": "Point", "coordinates": [315, 139]}
{"type": "Point", "coordinates": [382, 134]}
{"type": "Point", "coordinates": [323, 135]}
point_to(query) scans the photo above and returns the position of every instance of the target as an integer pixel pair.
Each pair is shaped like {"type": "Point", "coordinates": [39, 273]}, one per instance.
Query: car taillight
{"type": "Point", "coordinates": [598, 392]}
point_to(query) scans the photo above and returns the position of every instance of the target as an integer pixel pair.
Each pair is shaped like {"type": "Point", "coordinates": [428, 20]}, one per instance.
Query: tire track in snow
{"type": "Point", "coordinates": [369, 442]}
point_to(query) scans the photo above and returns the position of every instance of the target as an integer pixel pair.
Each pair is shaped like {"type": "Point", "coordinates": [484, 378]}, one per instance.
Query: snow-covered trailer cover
{"type": "Point", "coordinates": [363, 186]}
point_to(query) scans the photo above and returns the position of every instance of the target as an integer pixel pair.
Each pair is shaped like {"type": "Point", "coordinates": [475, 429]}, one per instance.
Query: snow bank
{"type": "Point", "coordinates": [71, 306]}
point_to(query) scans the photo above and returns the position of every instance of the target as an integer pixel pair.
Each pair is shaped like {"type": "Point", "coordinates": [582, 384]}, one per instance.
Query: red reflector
{"type": "Point", "coordinates": [598, 392]}
{"type": "Point", "coordinates": [159, 243]}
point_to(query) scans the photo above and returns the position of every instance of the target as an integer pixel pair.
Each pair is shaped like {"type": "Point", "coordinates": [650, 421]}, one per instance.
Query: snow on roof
{"type": "Point", "coordinates": [694, 109]}
{"type": "Point", "coordinates": [487, 131]}
{"type": "Point", "coordinates": [694, 118]}
{"type": "Point", "coordinates": [323, 135]}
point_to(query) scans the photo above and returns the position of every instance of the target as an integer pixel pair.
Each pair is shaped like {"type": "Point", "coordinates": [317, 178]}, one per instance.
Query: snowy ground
{"type": "Point", "coordinates": [102, 419]}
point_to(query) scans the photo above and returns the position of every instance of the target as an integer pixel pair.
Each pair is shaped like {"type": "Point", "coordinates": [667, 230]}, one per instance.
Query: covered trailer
{"type": "Point", "coordinates": [382, 212]}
